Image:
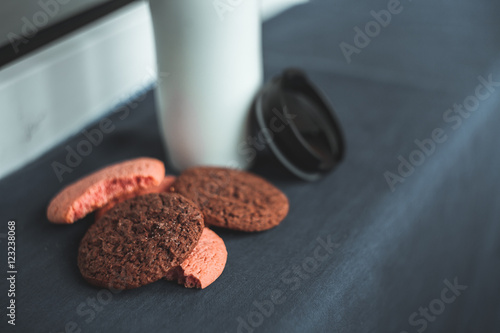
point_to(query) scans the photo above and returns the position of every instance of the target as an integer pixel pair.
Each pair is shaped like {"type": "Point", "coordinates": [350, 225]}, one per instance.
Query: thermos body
{"type": "Point", "coordinates": [210, 69]}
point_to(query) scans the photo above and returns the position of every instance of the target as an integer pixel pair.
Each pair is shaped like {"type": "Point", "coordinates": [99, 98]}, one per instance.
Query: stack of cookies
{"type": "Point", "coordinates": [150, 226]}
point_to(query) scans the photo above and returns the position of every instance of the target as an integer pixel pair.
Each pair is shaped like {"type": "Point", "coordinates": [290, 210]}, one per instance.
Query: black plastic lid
{"type": "Point", "coordinates": [300, 126]}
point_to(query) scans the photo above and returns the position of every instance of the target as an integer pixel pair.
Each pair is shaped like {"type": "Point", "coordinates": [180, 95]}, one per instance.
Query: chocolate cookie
{"type": "Point", "coordinates": [139, 240]}
{"type": "Point", "coordinates": [233, 199]}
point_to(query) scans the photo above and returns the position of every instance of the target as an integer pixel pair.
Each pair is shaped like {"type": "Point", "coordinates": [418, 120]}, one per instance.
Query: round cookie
{"type": "Point", "coordinates": [204, 265]}
{"type": "Point", "coordinates": [139, 240]}
{"type": "Point", "coordinates": [97, 189]}
{"type": "Point", "coordinates": [233, 199]}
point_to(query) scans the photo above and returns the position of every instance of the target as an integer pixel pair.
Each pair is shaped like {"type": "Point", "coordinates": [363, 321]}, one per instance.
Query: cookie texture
{"type": "Point", "coordinates": [233, 199]}
{"type": "Point", "coordinates": [163, 187]}
{"type": "Point", "coordinates": [139, 240]}
{"type": "Point", "coordinates": [97, 189]}
{"type": "Point", "coordinates": [204, 265]}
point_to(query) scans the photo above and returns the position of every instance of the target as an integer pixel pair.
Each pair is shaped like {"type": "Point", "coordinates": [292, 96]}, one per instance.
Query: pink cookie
{"type": "Point", "coordinates": [163, 187]}
{"type": "Point", "coordinates": [204, 265]}
{"type": "Point", "coordinates": [97, 189]}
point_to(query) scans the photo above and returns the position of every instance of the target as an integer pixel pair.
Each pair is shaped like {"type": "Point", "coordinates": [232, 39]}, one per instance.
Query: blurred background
{"type": "Point", "coordinates": [65, 63]}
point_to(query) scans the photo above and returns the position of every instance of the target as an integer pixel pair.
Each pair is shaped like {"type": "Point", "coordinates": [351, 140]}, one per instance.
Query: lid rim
{"type": "Point", "coordinates": [306, 159]}
{"type": "Point", "coordinates": [309, 176]}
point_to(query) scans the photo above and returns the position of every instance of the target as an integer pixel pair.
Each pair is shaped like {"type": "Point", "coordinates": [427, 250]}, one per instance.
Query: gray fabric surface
{"type": "Point", "coordinates": [391, 253]}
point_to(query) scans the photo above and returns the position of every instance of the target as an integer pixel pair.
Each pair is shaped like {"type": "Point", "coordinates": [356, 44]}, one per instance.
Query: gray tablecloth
{"type": "Point", "coordinates": [403, 236]}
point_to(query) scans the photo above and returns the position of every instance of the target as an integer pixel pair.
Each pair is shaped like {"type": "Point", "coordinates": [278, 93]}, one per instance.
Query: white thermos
{"type": "Point", "coordinates": [210, 69]}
